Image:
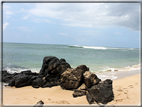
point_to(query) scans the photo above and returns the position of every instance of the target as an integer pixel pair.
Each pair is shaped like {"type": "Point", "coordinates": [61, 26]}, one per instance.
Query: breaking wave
{"type": "Point", "coordinates": [110, 73]}
{"type": "Point", "coordinates": [92, 47]}
{"type": "Point", "coordinates": [104, 77]}
{"type": "Point", "coordinates": [88, 47]}
{"type": "Point", "coordinates": [17, 69]}
{"type": "Point", "coordinates": [128, 68]}
{"type": "Point", "coordinates": [100, 48]}
{"type": "Point", "coordinates": [106, 73]}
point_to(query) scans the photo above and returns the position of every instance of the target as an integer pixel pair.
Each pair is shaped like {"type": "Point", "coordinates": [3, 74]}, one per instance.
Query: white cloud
{"type": "Point", "coordinates": [24, 28]}
{"type": "Point", "coordinates": [25, 13]}
{"type": "Point", "coordinates": [64, 34]}
{"type": "Point", "coordinates": [5, 25]}
{"type": "Point", "coordinates": [61, 33]}
{"type": "Point", "coordinates": [42, 20]}
{"type": "Point", "coordinates": [25, 17]}
{"type": "Point", "coordinates": [7, 11]}
{"type": "Point", "coordinates": [91, 14]}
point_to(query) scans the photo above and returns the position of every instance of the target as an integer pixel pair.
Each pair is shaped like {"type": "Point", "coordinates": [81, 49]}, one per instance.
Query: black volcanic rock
{"type": "Point", "coordinates": [90, 79]}
{"type": "Point", "coordinates": [72, 78]}
{"type": "Point", "coordinates": [51, 69]}
{"type": "Point", "coordinates": [84, 68]}
{"type": "Point", "coordinates": [36, 82]}
{"type": "Point", "coordinates": [101, 93]}
{"type": "Point", "coordinates": [52, 65]}
{"type": "Point", "coordinates": [46, 66]}
{"type": "Point", "coordinates": [82, 87]}
{"type": "Point", "coordinates": [89, 98]}
{"type": "Point", "coordinates": [39, 104]}
{"type": "Point", "coordinates": [78, 93]}
{"type": "Point", "coordinates": [6, 77]}
{"type": "Point", "coordinates": [21, 80]}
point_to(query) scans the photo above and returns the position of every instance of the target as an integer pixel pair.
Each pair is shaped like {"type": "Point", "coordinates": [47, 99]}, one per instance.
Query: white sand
{"type": "Point", "coordinates": [126, 91]}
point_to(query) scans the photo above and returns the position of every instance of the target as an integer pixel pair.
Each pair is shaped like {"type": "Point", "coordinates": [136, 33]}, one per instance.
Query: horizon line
{"type": "Point", "coordinates": [73, 45]}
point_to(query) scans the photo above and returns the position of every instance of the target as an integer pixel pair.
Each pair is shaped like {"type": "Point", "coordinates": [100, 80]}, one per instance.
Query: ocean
{"type": "Point", "coordinates": [18, 57]}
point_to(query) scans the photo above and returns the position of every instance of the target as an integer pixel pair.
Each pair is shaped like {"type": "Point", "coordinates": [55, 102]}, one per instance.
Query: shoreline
{"type": "Point", "coordinates": [126, 91]}
{"type": "Point", "coordinates": [124, 74]}
{"type": "Point", "coordinates": [116, 75]}
{"type": "Point", "coordinates": [111, 73]}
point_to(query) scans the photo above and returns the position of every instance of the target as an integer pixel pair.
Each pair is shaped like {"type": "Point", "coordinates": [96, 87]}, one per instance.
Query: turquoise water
{"type": "Point", "coordinates": [19, 56]}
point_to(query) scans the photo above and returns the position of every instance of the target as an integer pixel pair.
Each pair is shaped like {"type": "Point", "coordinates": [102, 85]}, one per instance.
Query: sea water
{"type": "Point", "coordinates": [18, 57]}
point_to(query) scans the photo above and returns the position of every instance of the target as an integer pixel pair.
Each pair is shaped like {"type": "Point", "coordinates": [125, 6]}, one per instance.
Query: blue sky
{"type": "Point", "coordinates": [91, 24]}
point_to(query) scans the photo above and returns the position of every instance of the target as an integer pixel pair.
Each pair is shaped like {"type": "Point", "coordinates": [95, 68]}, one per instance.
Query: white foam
{"type": "Point", "coordinates": [109, 73]}
{"type": "Point", "coordinates": [128, 68]}
{"type": "Point", "coordinates": [14, 70]}
{"type": "Point", "coordinates": [108, 69]}
{"type": "Point", "coordinates": [131, 68]}
{"type": "Point", "coordinates": [74, 46]}
{"type": "Point", "coordinates": [93, 47]}
{"type": "Point", "coordinates": [104, 77]}
{"type": "Point", "coordinates": [18, 70]}
{"type": "Point", "coordinates": [36, 70]}
{"type": "Point", "coordinates": [103, 48]}
{"type": "Point", "coordinates": [89, 47]}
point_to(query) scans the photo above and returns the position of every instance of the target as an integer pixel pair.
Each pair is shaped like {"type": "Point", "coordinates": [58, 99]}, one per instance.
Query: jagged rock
{"type": "Point", "coordinates": [52, 65]}
{"type": "Point", "coordinates": [25, 78]}
{"type": "Point", "coordinates": [101, 93]}
{"type": "Point", "coordinates": [37, 82]}
{"type": "Point", "coordinates": [51, 69]}
{"type": "Point", "coordinates": [27, 72]}
{"type": "Point", "coordinates": [82, 87]}
{"type": "Point", "coordinates": [19, 80]}
{"type": "Point", "coordinates": [84, 68]}
{"type": "Point", "coordinates": [63, 65]}
{"type": "Point", "coordinates": [90, 79]}
{"type": "Point", "coordinates": [6, 77]}
{"type": "Point", "coordinates": [46, 84]}
{"type": "Point", "coordinates": [73, 78]}
{"type": "Point", "coordinates": [89, 98]}
{"type": "Point", "coordinates": [46, 66]}
{"type": "Point", "coordinates": [39, 104]}
{"type": "Point", "coordinates": [50, 84]}
{"type": "Point", "coordinates": [78, 93]}
{"type": "Point", "coordinates": [51, 80]}
{"type": "Point", "coordinates": [69, 80]}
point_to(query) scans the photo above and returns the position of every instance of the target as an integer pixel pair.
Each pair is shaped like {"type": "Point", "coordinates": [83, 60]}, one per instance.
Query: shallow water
{"type": "Point", "coordinates": [18, 57]}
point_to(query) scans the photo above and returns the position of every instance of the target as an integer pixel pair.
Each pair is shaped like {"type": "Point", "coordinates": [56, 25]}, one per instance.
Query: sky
{"type": "Point", "coordinates": [86, 24]}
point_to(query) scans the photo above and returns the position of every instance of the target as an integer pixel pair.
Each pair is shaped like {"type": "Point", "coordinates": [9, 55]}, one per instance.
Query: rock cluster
{"type": "Point", "coordinates": [56, 71]}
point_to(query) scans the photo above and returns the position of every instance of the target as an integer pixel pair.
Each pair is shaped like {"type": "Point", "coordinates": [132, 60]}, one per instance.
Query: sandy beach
{"type": "Point", "coordinates": [126, 92]}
